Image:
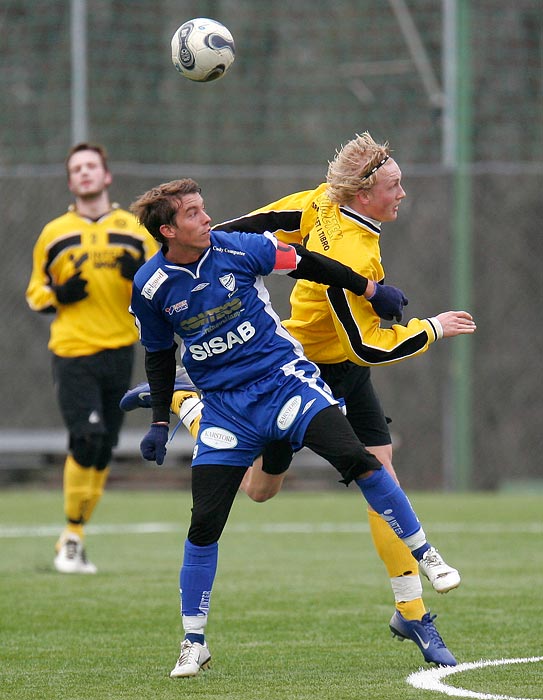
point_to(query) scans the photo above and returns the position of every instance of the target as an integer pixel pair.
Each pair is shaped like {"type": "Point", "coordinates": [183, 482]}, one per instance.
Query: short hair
{"type": "Point", "coordinates": [159, 205]}
{"type": "Point", "coordinates": [87, 146]}
{"type": "Point", "coordinates": [354, 167]}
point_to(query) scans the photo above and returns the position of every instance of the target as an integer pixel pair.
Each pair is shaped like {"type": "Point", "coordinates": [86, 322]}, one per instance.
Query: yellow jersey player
{"type": "Point", "coordinates": [83, 266]}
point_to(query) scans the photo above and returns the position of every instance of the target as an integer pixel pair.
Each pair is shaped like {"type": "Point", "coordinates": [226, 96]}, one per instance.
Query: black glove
{"type": "Point", "coordinates": [388, 302]}
{"type": "Point", "coordinates": [72, 290]}
{"type": "Point", "coordinates": [129, 264]}
{"type": "Point", "coordinates": [153, 445]}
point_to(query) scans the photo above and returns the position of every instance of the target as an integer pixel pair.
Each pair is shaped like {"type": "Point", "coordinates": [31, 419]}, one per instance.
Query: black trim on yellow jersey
{"type": "Point", "coordinates": [272, 221]}
{"type": "Point", "coordinates": [368, 223]}
{"type": "Point", "coordinates": [371, 355]}
{"type": "Point", "coordinates": [61, 245]}
{"type": "Point", "coordinates": [128, 241]}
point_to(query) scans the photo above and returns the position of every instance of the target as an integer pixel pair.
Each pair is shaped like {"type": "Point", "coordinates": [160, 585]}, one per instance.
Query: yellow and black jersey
{"type": "Point", "coordinates": [321, 315]}
{"type": "Point", "coordinates": [73, 243]}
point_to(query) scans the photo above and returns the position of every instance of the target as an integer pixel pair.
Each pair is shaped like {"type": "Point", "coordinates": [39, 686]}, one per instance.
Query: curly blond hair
{"type": "Point", "coordinates": [351, 169]}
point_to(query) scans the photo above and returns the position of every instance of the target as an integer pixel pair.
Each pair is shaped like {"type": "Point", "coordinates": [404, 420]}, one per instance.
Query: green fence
{"type": "Point", "coordinates": [456, 87]}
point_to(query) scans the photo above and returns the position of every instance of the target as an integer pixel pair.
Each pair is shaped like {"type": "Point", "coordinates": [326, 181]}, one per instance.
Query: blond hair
{"type": "Point", "coordinates": [354, 167]}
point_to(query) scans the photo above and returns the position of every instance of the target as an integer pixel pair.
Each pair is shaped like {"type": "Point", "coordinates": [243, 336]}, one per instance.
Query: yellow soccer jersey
{"type": "Point", "coordinates": [73, 243]}
{"type": "Point", "coordinates": [335, 325]}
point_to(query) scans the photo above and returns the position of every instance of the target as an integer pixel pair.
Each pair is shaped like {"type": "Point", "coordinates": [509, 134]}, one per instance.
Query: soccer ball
{"type": "Point", "coordinates": [203, 49]}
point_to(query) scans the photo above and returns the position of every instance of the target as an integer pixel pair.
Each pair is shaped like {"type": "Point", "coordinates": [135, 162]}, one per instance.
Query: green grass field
{"type": "Point", "coordinates": [300, 608]}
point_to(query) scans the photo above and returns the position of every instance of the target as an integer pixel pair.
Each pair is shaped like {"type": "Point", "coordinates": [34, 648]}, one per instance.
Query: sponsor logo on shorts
{"type": "Point", "coordinates": [153, 283]}
{"type": "Point", "coordinates": [218, 438]}
{"type": "Point", "coordinates": [288, 413]}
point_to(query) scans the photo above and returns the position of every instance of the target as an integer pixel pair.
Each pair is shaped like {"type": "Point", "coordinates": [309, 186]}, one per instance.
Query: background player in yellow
{"type": "Point", "coordinates": [343, 335]}
{"type": "Point", "coordinates": [84, 262]}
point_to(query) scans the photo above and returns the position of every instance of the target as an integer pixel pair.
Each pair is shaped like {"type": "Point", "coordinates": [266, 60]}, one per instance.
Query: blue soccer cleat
{"type": "Point", "coordinates": [140, 395]}
{"type": "Point", "coordinates": [426, 637]}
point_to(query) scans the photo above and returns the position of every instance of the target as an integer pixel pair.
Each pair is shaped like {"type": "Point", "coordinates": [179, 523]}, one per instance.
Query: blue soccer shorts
{"type": "Point", "coordinates": [237, 424]}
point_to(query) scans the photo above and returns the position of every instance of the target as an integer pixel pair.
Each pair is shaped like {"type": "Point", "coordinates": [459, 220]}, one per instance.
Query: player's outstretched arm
{"type": "Point", "coordinates": [456, 323]}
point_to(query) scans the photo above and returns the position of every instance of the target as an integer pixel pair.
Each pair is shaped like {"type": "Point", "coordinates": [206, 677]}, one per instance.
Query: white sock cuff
{"type": "Point", "coordinates": [416, 540]}
{"type": "Point", "coordinates": [194, 624]}
{"type": "Point", "coordinates": [189, 410]}
{"type": "Point", "coordinates": [406, 588]}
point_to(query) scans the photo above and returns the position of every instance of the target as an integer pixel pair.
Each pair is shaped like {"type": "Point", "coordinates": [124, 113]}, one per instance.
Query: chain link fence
{"type": "Point", "coordinates": [307, 77]}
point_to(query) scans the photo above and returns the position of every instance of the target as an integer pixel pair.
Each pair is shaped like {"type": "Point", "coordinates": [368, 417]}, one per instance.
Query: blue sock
{"type": "Point", "coordinates": [196, 578]}
{"type": "Point", "coordinates": [420, 552]}
{"type": "Point", "coordinates": [388, 499]}
{"type": "Point", "coordinates": [200, 638]}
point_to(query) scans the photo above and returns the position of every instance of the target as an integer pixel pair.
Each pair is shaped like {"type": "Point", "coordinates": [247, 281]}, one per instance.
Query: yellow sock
{"type": "Point", "coordinates": [77, 489]}
{"type": "Point", "coordinates": [190, 414]}
{"type": "Point", "coordinates": [195, 427]}
{"type": "Point", "coordinates": [70, 529]}
{"type": "Point", "coordinates": [401, 566]}
{"type": "Point", "coordinates": [99, 478]}
{"type": "Point", "coordinates": [178, 398]}
{"type": "Point", "coordinates": [411, 609]}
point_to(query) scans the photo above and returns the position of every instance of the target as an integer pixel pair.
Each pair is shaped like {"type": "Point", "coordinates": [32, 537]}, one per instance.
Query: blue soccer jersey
{"type": "Point", "coordinates": [219, 308]}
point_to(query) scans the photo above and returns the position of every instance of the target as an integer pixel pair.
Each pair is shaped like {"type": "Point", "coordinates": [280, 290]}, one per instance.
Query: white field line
{"type": "Point", "coordinates": [431, 679]}
{"type": "Point", "coordinates": [151, 528]}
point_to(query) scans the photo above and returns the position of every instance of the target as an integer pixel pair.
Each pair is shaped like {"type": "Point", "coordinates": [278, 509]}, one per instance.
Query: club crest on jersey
{"type": "Point", "coordinates": [228, 282]}
{"type": "Point", "coordinates": [288, 413]}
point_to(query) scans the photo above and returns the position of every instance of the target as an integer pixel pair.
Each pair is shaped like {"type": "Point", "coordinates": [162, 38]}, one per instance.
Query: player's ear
{"type": "Point", "coordinates": [167, 231]}
{"type": "Point", "coordinates": [108, 179]}
{"type": "Point", "coordinates": [363, 196]}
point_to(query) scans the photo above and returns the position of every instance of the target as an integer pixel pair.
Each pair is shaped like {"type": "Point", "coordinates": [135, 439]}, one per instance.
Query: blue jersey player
{"type": "Point", "coordinates": [207, 289]}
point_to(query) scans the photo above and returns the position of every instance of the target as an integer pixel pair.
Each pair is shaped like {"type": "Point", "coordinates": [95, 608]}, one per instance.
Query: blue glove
{"type": "Point", "coordinates": [153, 445]}
{"type": "Point", "coordinates": [388, 302]}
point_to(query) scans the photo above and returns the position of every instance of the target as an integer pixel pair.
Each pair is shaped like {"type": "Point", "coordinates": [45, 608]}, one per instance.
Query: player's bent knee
{"type": "Point", "coordinates": [206, 526]}
{"type": "Point", "coordinates": [85, 448]}
{"type": "Point", "coordinates": [103, 456]}
{"type": "Point", "coordinates": [358, 465]}
{"type": "Point", "coordinates": [259, 496]}
{"type": "Point", "coordinates": [202, 534]}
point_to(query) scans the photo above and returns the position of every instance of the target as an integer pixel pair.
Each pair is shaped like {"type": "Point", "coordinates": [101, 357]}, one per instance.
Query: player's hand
{"type": "Point", "coordinates": [72, 290]}
{"type": "Point", "coordinates": [388, 302]}
{"type": "Point", "coordinates": [456, 323]}
{"type": "Point", "coordinates": [153, 445]}
{"type": "Point", "coordinates": [129, 265]}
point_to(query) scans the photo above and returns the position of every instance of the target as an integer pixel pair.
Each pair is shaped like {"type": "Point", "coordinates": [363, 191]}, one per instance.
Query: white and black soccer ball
{"type": "Point", "coordinates": [203, 49]}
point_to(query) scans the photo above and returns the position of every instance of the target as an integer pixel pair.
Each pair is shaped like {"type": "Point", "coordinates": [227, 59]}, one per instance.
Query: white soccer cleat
{"type": "Point", "coordinates": [72, 559]}
{"type": "Point", "coordinates": [193, 657]}
{"type": "Point", "coordinates": [442, 576]}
